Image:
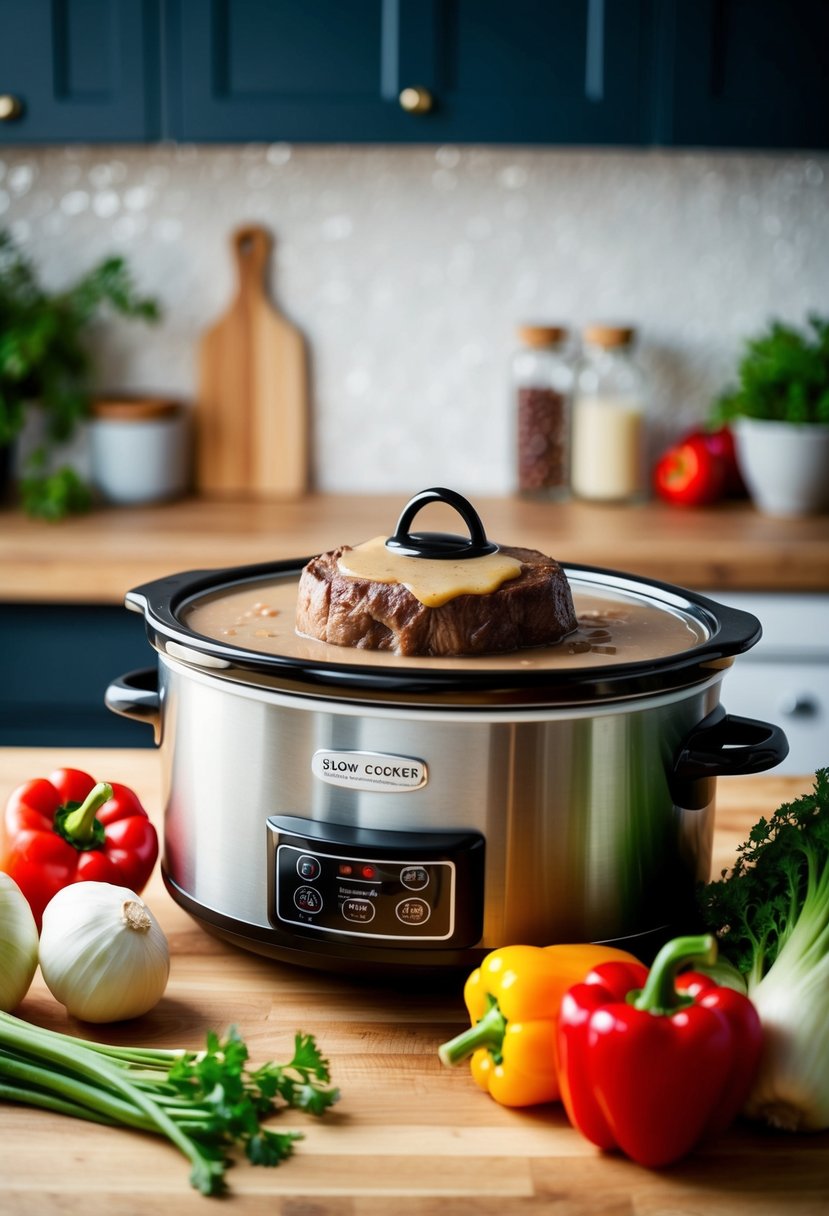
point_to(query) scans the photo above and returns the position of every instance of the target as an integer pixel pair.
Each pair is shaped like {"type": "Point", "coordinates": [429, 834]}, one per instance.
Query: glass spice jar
{"type": "Point", "coordinates": [542, 383]}
{"type": "Point", "coordinates": [609, 443]}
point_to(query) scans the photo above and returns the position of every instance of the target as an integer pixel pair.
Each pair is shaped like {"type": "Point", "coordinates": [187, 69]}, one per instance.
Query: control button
{"type": "Point", "coordinates": [307, 899]}
{"type": "Point", "coordinates": [415, 877]}
{"type": "Point", "coordinates": [308, 867]}
{"type": "Point", "coordinates": [413, 911]}
{"type": "Point", "coordinates": [360, 910]}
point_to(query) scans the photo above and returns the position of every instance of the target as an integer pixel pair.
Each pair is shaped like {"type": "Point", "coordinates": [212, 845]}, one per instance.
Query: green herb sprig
{"type": "Point", "coordinates": [783, 375]}
{"type": "Point", "coordinates": [206, 1103]}
{"type": "Point", "coordinates": [45, 359]}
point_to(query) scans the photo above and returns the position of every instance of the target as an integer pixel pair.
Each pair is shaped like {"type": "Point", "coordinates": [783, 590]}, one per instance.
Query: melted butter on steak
{"type": "Point", "coordinates": [432, 581]}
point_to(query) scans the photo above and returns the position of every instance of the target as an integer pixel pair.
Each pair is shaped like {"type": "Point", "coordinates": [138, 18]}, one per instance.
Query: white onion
{"type": "Point", "coordinates": [18, 944]}
{"type": "Point", "coordinates": [102, 952]}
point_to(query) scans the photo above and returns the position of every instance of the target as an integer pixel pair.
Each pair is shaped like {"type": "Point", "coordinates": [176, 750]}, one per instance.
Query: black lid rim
{"type": "Point", "coordinates": [732, 631]}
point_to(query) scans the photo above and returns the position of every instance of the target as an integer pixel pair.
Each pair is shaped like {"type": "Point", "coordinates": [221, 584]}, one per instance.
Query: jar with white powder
{"type": "Point", "coordinates": [609, 437]}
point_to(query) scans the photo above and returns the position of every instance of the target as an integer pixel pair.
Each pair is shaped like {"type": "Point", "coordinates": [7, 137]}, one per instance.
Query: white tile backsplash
{"type": "Point", "coordinates": [408, 270]}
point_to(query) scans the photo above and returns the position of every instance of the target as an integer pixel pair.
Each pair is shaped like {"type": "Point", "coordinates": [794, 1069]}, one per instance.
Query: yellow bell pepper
{"type": "Point", "coordinates": [513, 1000]}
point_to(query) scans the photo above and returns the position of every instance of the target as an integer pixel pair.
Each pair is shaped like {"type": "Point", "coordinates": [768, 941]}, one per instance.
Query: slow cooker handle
{"type": "Point", "coordinates": [136, 695]}
{"type": "Point", "coordinates": [724, 745]}
{"type": "Point", "coordinates": [440, 544]}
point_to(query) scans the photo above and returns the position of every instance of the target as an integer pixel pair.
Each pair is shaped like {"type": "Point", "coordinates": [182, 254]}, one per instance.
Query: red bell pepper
{"type": "Point", "coordinates": [720, 442]}
{"type": "Point", "coordinates": [650, 1063]}
{"type": "Point", "coordinates": [690, 474]}
{"type": "Point", "coordinates": [71, 829]}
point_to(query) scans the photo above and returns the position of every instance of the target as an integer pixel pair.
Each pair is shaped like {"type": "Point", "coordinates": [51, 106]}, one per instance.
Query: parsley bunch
{"type": "Point", "coordinates": [207, 1103]}
{"type": "Point", "coordinates": [783, 375]}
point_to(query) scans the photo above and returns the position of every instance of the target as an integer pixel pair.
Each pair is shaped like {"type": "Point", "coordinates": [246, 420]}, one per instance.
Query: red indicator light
{"type": "Point", "coordinates": [368, 872]}
{"type": "Point", "coordinates": [346, 869]}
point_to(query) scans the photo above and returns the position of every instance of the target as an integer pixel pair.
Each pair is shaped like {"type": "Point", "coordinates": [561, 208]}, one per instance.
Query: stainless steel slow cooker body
{"type": "Point", "coordinates": [388, 818]}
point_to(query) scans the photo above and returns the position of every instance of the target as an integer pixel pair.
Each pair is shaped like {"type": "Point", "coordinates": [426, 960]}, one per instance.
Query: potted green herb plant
{"type": "Point", "coordinates": [779, 414]}
{"type": "Point", "coordinates": [46, 363]}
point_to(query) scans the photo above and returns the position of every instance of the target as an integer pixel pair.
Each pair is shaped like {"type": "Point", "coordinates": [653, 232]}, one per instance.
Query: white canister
{"type": "Point", "coordinates": [139, 449]}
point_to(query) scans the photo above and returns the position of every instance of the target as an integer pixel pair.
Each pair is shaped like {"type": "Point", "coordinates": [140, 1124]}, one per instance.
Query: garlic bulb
{"type": "Point", "coordinates": [18, 944]}
{"type": "Point", "coordinates": [102, 952]}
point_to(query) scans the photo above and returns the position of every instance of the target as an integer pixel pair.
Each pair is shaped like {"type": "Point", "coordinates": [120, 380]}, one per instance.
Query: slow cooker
{"type": "Point", "coordinates": [358, 811]}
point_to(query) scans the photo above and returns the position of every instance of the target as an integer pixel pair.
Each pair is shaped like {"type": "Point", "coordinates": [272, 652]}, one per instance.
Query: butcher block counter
{"type": "Point", "coordinates": [408, 1137]}
{"type": "Point", "coordinates": [97, 557]}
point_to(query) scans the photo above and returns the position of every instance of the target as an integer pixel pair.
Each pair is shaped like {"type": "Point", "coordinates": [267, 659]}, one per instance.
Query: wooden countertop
{"type": "Point", "coordinates": [408, 1136]}
{"type": "Point", "coordinates": [98, 557]}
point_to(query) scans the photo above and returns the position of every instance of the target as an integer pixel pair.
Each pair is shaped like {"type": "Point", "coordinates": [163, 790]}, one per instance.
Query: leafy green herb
{"type": "Point", "coordinates": [771, 917]}
{"type": "Point", "coordinates": [54, 495]}
{"type": "Point", "coordinates": [207, 1103]}
{"type": "Point", "coordinates": [783, 375]}
{"type": "Point", "coordinates": [781, 869]}
{"type": "Point", "coordinates": [45, 360]}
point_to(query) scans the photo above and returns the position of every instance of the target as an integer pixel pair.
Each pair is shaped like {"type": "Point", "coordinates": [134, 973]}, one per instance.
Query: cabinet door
{"type": "Point", "coordinates": [84, 70]}
{"type": "Point", "coordinates": [56, 674]}
{"type": "Point", "coordinates": [247, 70]}
{"type": "Point", "coordinates": [323, 70]}
{"type": "Point", "coordinates": [564, 72]}
{"type": "Point", "coordinates": [743, 73]}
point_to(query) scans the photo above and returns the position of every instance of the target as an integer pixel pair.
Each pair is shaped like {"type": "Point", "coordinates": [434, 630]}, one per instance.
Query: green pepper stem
{"type": "Point", "coordinates": [79, 825]}
{"type": "Point", "coordinates": [487, 1032]}
{"type": "Point", "coordinates": [659, 996]}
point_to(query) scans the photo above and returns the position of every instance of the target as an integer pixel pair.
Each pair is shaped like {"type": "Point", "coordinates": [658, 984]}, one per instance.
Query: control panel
{"type": "Point", "coordinates": [333, 881]}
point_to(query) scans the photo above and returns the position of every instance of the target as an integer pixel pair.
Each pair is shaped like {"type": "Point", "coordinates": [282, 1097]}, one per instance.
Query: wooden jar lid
{"type": "Point", "coordinates": [609, 335]}
{"type": "Point", "coordinates": [134, 409]}
{"type": "Point", "coordinates": [541, 335]}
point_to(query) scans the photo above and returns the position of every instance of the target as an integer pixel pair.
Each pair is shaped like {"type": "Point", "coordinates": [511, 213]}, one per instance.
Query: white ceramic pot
{"type": "Point", "coordinates": [785, 465]}
{"type": "Point", "coordinates": [139, 450]}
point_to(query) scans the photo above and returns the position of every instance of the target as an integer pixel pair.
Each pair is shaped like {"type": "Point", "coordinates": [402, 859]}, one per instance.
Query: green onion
{"type": "Point", "coordinates": [206, 1103]}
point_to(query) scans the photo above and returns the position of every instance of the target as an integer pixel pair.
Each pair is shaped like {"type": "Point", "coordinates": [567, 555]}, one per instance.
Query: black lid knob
{"type": "Point", "coordinates": [440, 544]}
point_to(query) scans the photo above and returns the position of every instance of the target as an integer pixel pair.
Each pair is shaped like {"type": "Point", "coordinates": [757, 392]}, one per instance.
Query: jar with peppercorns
{"type": "Point", "coordinates": [542, 383]}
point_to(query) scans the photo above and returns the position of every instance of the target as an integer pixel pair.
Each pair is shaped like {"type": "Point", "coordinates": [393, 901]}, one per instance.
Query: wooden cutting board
{"type": "Point", "coordinates": [252, 408]}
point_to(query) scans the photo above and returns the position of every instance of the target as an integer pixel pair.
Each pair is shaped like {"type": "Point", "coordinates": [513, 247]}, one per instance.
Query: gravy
{"type": "Point", "coordinates": [613, 627]}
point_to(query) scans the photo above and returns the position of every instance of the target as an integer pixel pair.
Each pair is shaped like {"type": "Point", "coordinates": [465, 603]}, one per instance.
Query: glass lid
{"type": "Point", "coordinates": [615, 626]}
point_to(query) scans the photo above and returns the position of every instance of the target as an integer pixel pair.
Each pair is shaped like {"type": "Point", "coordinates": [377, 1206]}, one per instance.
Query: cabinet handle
{"type": "Point", "coordinates": [416, 100]}
{"type": "Point", "coordinates": [11, 107]}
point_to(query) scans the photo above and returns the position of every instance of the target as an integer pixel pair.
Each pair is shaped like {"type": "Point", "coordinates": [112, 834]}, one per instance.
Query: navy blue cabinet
{"type": "Point", "coordinates": [407, 71]}
{"type": "Point", "coordinates": [57, 661]}
{"type": "Point", "coordinates": [674, 73]}
{"type": "Point", "coordinates": [84, 70]}
{"type": "Point", "coordinates": [238, 69]}
{"type": "Point", "coordinates": [705, 73]}
{"type": "Point", "coordinates": [742, 73]}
